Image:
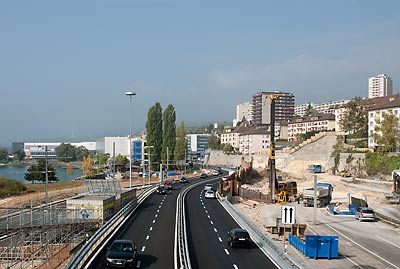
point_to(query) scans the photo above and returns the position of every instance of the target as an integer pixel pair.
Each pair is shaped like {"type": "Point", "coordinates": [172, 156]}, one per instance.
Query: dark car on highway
{"type": "Point", "coordinates": [184, 180]}
{"type": "Point", "coordinates": [121, 254]}
{"type": "Point", "coordinates": [239, 237]}
{"type": "Point", "coordinates": [161, 190]}
{"type": "Point", "coordinates": [203, 175]}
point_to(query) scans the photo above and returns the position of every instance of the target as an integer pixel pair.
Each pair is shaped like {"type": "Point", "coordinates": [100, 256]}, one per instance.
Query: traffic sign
{"type": "Point", "coordinates": [288, 214]}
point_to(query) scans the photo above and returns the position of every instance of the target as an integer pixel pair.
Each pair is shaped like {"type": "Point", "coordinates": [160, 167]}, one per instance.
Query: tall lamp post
{"type": "Point", "coordinates": [130, 94]}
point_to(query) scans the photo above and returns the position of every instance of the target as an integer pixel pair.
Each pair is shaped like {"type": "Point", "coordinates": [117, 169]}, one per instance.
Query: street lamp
{"type": "Point", "coordinates": [130, 94]}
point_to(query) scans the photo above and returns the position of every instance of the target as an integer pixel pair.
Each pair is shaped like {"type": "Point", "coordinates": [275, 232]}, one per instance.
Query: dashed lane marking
{"type": "Point", "coordinates": [212, 223]}
{"type": "Point", "coordinates": [235, 266]}
{"type": "Point", "coordinates": [208, 216]}
{"type": "Point", "coordinates": [143, 248]}
{"type": "Point", "coordinates": [138, 264]}
{"type": "Point", "coordinates": [151, 228]}
{"type": "Point", "coordinates": [154, 221]}
{"type": "Point", "coordinates": [220, 239]}
{"type": "Point", "coordinates": [226, 251]}
{"type": "Point", "coordinates": [155, 215]}
{"type": "Point", "coordinates": [215, 230]}
{"type": "Point", "coordinates": [147, 237]}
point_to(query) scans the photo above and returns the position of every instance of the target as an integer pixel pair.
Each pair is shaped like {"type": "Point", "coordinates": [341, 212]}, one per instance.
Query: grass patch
{"type": "Point", "coordinates": [53, 186]}
{"type": "Point", "coordinates": [11, 187]}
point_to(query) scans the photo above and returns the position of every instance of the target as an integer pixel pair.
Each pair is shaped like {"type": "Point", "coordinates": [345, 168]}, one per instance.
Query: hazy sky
{"type": "Point", "coordinates": [65, 65]}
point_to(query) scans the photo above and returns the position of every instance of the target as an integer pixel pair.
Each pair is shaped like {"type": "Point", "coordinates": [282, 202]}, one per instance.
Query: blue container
{"type": "Point", "coordinates": [318, 246]}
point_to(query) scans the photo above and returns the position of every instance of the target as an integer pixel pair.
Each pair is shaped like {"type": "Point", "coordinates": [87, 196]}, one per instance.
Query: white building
{"type": "Point", "coordinates": [379, 86]}
{"type": "Point", "coordinates": [243, 111]}
{"type": "Point", "coordinates": [196, 145]}
{"type": "Point", "coordinates": [37, 150]}
{"type": "Point", "coordinates": [322, 108]}
{"type": "Point", "coordinates": [307, 124]}
{"type": "Point", "coordinates": [119, 145]}
{"type": "Point", "coordinates": [376, 115]}
{"type": "Point", "coordinates": [255, 141]}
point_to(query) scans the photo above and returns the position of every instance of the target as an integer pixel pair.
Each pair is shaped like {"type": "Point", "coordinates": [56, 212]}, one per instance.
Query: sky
{"type": "Point", "coordinates": [65, 65]}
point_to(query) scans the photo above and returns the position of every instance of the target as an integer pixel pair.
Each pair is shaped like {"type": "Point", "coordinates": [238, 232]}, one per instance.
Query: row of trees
{"type": "Point", "coordinates": [165, 140]}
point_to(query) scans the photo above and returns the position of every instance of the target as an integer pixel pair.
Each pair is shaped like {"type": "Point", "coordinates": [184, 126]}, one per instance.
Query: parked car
{"type": "Point", "coordinates": [239, 237]}
{"type": "Point", "coordinates": [224, 178]}
{"type": "Point", "coordinates": [168, 185]}
{"type": "Point", "coordinates": [121, 253]}
{"type": "Point", "coordinates": [184, 180]}
{"type": "Point", "coordinates": [215, 173]}
{"type": "Point", "coordinates": [203, 175]}
{"type": "Point", "coordinates": [209, 194]}
{"type": "Point", "coordinates": [208, 187]}
{"type": "Point", "coordinates": [365, 213]}
{"type": "Point", "coordinates": [161, 190]}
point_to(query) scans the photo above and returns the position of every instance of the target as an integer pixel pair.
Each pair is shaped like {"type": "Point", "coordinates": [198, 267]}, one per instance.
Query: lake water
{"type": "Point", "coordinates": [18, 173]}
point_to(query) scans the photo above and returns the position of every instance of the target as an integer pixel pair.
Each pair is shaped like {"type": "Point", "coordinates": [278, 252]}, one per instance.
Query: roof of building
{"type": "Point", "coordinates": [319, 117]}
{"type": "Point", "coordinates": [379, 103]}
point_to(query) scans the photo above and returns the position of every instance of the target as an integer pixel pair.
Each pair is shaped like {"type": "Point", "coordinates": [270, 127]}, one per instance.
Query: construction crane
{"type": "Point", "coordinates": [273, 182]}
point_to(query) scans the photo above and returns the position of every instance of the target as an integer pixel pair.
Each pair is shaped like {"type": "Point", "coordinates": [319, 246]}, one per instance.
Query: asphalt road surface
{"type": "Point", "coordinates": [208, 225]}
{"type": "Point", "coordinates": [152, 228]}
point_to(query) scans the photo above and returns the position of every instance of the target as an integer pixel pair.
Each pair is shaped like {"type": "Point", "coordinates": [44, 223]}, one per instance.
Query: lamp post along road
{"type": "Point", "coordinates": [130, 94]}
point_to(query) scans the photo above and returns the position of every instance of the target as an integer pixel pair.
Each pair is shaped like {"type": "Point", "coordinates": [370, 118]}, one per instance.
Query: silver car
{"type": "Point", "coordinates": [365, 213]}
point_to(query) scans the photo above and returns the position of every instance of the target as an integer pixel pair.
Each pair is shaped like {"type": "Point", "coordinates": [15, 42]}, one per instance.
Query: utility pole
{"type": "Point", "coordinates": [47, 179]}
{"type": "Point", "coordinates": [271, 161]}
{"type": "Point", "coordinates": [185, 161]}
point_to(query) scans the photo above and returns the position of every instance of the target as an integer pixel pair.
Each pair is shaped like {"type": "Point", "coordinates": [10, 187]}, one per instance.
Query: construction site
{"type": "Point", "coordinates": [43, 236]}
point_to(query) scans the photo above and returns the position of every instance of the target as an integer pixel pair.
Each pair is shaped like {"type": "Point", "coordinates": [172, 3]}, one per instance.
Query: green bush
{"type": "Point", "coordinates": [9, 187]}
{"type": "Point", "coordinates": [361, 144]}
{"type": "Point", "coordinates": [377, 163]}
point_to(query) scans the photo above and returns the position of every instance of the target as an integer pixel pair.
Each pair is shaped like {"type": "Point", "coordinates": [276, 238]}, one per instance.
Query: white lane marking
{"type": "Point", "coordinates": [220, 239]}
{"type": "Point", "coordinates": [235, 266]}
{"type": "Point", "coordinates": [204, 207]}
{"type": "Point", "coordinates": [159, 207]}
{"type": "Point", "coordinates": [212, 223]}
{"type": "Point", "coordinates": [208, 216]}
{"type": "Point", "coordinates": [147, 237]}
{"type": "Point", "coordinates": [151, 228]}
{"type": "Point", "coordinates": [206, 212]}
{"type": "Point", "coordinates": [154, 221]}
{"type": "Point", "coordinates": [143, 248]}
{"type": "Point", "coordinates": [138, 264]}
{"type": "Point", "coordinates": [389, 242]}
{"type": "Point", "coordinates": [226, 251]}
{"type": "Point", "coordinates": [158, 211]}
{"type": "Point", "coordinates": [155, 215]}
{"type": "Point", "coordinates": [364, 248]}
{"type": "Point", "coordinates": [215, 230]}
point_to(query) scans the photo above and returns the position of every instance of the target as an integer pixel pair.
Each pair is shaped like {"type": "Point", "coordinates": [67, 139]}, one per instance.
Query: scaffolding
{"type": "Point", "coordinates": [44, 236]}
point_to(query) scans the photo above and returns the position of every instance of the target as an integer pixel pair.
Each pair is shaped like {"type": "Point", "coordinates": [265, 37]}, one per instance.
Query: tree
{"type": "Point", "coordinates": [387, 134]}
{"type": "Point", "coordinates": [3, 155]}
{"type": "Point", "coordinates": [88, 166]}
{"type": "Point", "coordinates": [154, 128]}
{"type": "Point", "coordinates": [121, 159]}
{"type": "Point", "coordinates": [355, 119]}
{"type": "Point", "coordinates": [19, 155]}
{"type": "Point", "coordinates": [81, 152]}
{"type": "Point", "coordinates": [101, 158]}
{"type": "Point", "coordinates": [214, 142]}
{"type": "Point", "coordinates": [180, 145]}
{"type": "Point", "coordinates": [37, 171]}
{"type": "Point", "coordinates": [66, 152]}
{"type": "Point", "coordinates": [310, 111]}
{"type": "Point", "coordinates": [228, 149]}
{"type": "Point", "coordinates": [70, 169]}
{"type": "Point", "coordinates": [169, 133]}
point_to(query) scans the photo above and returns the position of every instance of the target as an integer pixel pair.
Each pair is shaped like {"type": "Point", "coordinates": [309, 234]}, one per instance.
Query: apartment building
{"type": "Point", "coordinates": [255, 141]}
{"type": "Point", "coordinates": [307, 124]}
{"type": "Point", "coordinates": [322, 108]}
{"type": "Point", "coordinates": [380, 85]}
{"type": "Point", "coordinates": [243, 111]}
{"type": "Point", "coordinates": [376, 116]}
{"type": "Point", "coordinates": [261, 108]}
{"type": "Point", "coordinates": [196, 145]}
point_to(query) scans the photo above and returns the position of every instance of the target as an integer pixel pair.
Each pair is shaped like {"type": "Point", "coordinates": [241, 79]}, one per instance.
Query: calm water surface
{"type": "Point", "coordinates": [18, 173]}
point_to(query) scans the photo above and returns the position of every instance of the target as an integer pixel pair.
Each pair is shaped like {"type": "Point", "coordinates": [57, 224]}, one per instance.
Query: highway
{"type": "Point", "coordinates": [152, 228]}
{"type": "Point", "coordinates": [207, 227]}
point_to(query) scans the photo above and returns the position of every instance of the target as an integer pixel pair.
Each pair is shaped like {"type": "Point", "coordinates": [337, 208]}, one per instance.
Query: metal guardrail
{"type": "Point", "coordinates": [276, 253]}
{"type": "Point", "coordinates": [101, 236]}
{"type": "Point", "coordinates": [181, 249]}
{"type": "Point", "coordinates": [387, 219]}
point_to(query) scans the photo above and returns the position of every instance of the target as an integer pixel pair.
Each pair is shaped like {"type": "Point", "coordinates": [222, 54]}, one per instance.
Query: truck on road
{"type": "Point", "coordinates": [324, 195]}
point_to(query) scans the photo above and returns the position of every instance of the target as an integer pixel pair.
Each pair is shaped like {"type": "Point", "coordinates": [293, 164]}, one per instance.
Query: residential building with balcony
{"type": "Point", "coordinates": [261, 108]}
{"type": "Point", "coordinates": [380, 85]}
{"type": "Point", "coordinates": [255, 140]}
{"type": "Point", "coordinates": [376, 116]}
